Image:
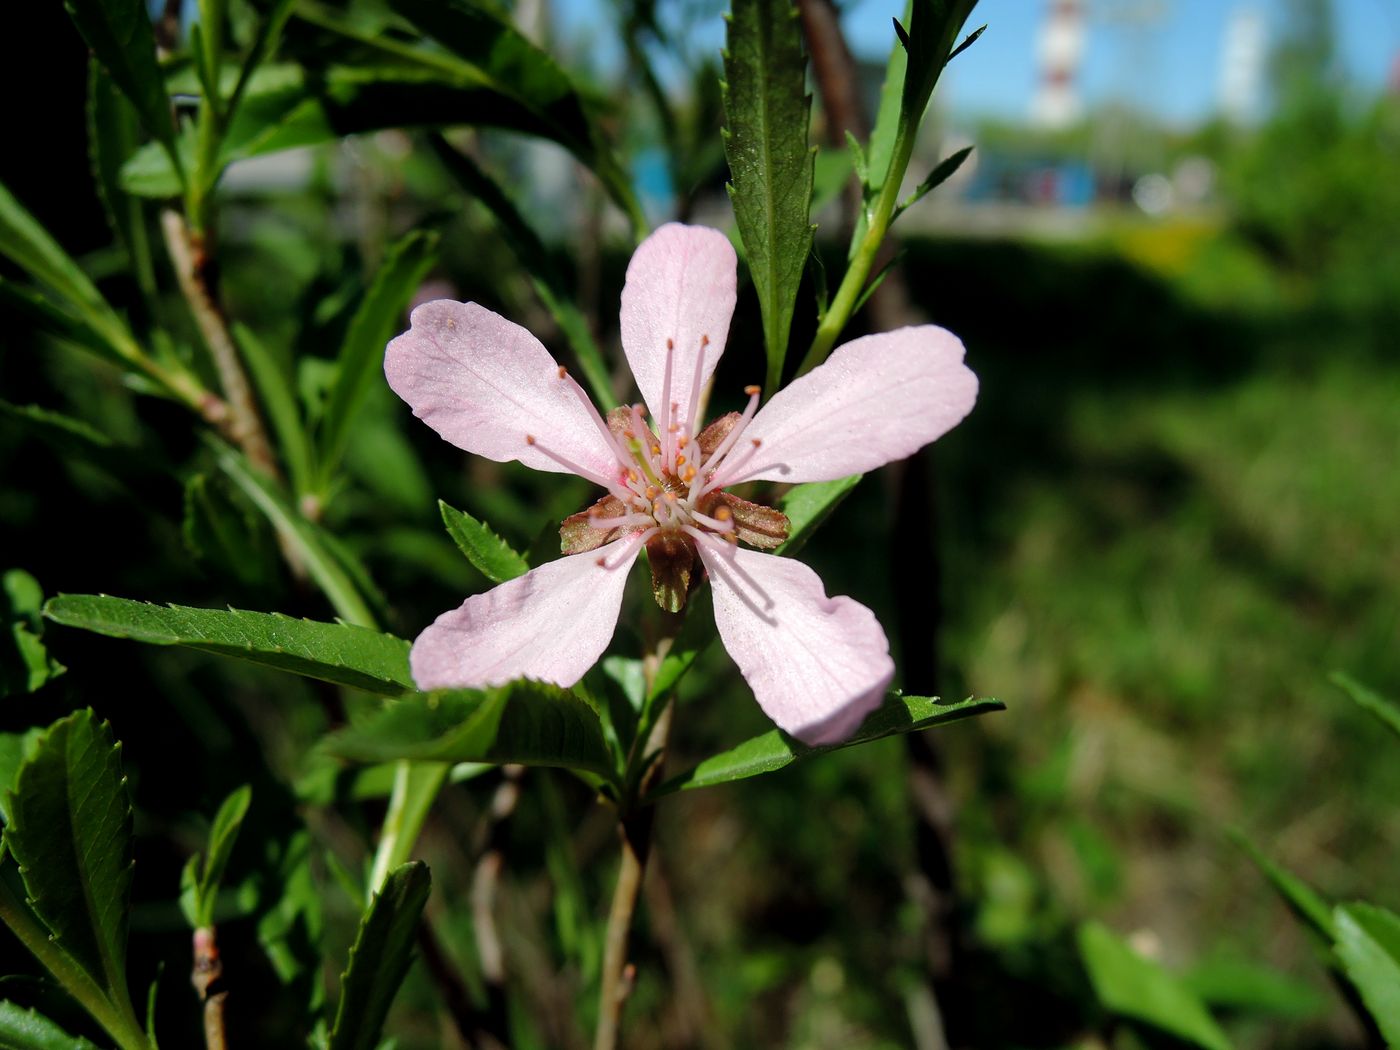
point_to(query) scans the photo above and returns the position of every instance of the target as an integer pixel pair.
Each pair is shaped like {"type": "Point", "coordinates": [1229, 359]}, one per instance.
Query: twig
{"type": "Point", "coordinates": [207, 976]}
{"type": "Point", "coordinates": [634, 828]}
{"type": "Point", "coordinates": [244, 426]}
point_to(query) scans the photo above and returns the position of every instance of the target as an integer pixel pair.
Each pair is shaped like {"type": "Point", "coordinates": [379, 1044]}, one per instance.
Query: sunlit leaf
{"type": "Point", "coordinates": [1301, 898]}
{"type": "Point", "coordinates": [1137, 988]}
{"type": "Point", "coordinates": [332, 652]}
{"type": "Point", "coordinates": [767, 112]}
{"type": "Point", "coordinates": [775, 750]}
{"type": "Point", "coordinates": [379, 958]}
{"type": "Point", "coordinates": [22, 1029]}
{"type": "Point", "coordinates": [1368, 944]}
{"type": "Point", "coordinates": [492, 556]}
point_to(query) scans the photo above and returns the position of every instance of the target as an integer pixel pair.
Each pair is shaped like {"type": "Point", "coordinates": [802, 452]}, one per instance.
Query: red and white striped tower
{"type": "Point", "coordinates": [1060, 48]}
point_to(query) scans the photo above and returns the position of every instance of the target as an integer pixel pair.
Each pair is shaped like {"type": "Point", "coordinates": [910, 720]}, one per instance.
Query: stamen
{"type": "Point", "coordinates": [609, 438]}
{"type": "Point", "coordinates": [624, 556]}
{"type": "Point", "coordinates": [725, 551]}
{"type": "Point", "coordinates": [695, 384]}
{"type": "Point", "coordinates": [730, 471]}
{"type": "Point", "coordinates": [664, 425]}
{"type": "Point", "coordinates": [716, 458]}
{"type": "Point", "coordinates": [574, 468]}
{"type": "Point", "coordinates": [716, 523]}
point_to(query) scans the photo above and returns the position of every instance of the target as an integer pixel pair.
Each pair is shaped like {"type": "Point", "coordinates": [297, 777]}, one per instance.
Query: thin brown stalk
{"type": "Point", "coordinates": [207, 976]}
{"type": "Point", "coordinates": [244, 425]}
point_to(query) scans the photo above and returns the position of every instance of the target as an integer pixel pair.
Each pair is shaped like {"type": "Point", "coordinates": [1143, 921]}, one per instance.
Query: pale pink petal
{"type": "Point", "coordinates": [875, 400]}
{"type": "Point", "coordinates": [816, 665]}
{"type": "Point", "coordinates": [484, 383]}
{"type": "Point", "coordinates": [551, 624]}
{"type": "Point", "coordinates": [680, 286]}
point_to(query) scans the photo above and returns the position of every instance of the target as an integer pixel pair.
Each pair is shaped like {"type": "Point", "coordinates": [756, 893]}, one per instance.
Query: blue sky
{"type": "Point", "coordinates": [1174, 67]}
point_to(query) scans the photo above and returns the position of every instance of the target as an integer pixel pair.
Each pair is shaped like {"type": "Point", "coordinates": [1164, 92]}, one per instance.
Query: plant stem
{"type": "Point", "coordinates": [416, 785]}
{"type": "Point", "coordinates": [245, 424]}
{"type": "Point", "coordinates": [853, 283]}
{"type": "Point", "coordinates": [208, 973]}
{"type": "Point", "coordinates": [118, 1018]}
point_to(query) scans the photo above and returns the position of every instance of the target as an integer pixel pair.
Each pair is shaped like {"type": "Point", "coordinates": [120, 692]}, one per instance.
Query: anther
{"type": "Point", "coordinates": [529, 439]}
{"type": "Point", "coordinates": [680, 461]}
{"type": "Point", "coordinates": [751, 390]}
{"type": "Point", "coordinates": [689, 474]}
{"type": "Point", "coordinates": [723, 513]}
{"type": "Point", "coordinates": [563, 372]}
{"type": "Point", "coordinates": [670, 344]}
{"type": "Point", "coordinates": [602, 563]}
{"type": "Point", "coordinates": [704, 340]}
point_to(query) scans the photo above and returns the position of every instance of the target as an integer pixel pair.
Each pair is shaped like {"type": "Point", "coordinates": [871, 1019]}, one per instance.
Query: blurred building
{"type": "Point", "coordinates": [1060, 50]}
{"type": "Point", "coordinates": [1242, 60]}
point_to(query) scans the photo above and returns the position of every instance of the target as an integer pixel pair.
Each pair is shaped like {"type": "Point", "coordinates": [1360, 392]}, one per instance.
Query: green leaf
{"type": "Point", "coordinates": [939, 175]}
{"type": "Point", "coordinates": [775, 750]}
{"type": "Point", "coordinates": [767, 112]}
{"type": "Point", "coordinates": [30, 247]}
{"type": "Point", "coordinates": [15, 750]}
{"type": "Point", "coordinates": [113, 136]}
{"type": "Point", "coordinates": [361, 358]}
{"type": "Point", "coordinates": [493, 556]}
{"type": "Point", "coordinates": [379, 958]}
{"type": "Point", "coordinates": [1301, 898]}
{"type": "Point", "coordinates": [222, 835]}
{"type": "Point", "coordinates": [1368, 944]}
{"type": "Point", "coordinates": [22, 1029]}
{"type": "Point", "coordinates": [1240, 985]}
{"type": "Point", "coordinates": [535, 260]}
{"type": "Point", "coordinates": [331, 652]}
{"type": "Point", "coordinates": [264, 44]}
{"type": "Point", "coordinates": [808, 506]}
{"type": "Point", "coordinates": [1137, 988]}
{"type": "Point", "coordinates": [25, 665]}
{"type": "Point", "coordinates": [70, 832]}
{"type": "Point", "coordinates": [324, 560]}
{"type": "Point", "coordinates": [880, 150]}
{"type": "Point", "coordinates": [507, 61]}
{"type": "Point", "coordinates": [1387, 711]}
{"type": "Point", "coordinates": [120, 36]}
{"type": "Point", "coordinates": [527, 722]}
{"type": "Point", "coordinates": [933, 26]}
{"type": "Point", "coordinates": [224, 533]}
{"type": "Point", "coordinates": [274, 387]}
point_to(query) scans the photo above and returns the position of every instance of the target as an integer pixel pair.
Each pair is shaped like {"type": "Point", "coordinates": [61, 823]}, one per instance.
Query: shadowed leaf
{"type": "Point", "coordinates": [493, 556]}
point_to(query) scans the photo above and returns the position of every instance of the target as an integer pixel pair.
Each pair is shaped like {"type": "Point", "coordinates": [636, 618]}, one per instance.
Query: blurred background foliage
{"type": "Point", "coordinates": [1171, 515]}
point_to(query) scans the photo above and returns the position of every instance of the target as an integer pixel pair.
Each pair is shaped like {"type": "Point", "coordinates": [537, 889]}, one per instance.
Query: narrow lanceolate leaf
{"type": "Point", "coordinates": [274, 387]}
{"type": "Point", "coordinates": [508, 62]}
{"type": "Point", "coordinates": [120, 36]}
{"type": "Point", "coordinates": [527, 722]}
{"type": "Point", "coordinates": [380, 957]}
{"type": "Point", "coordinates": [70, 831]}
{"type": "Point", "coordinates": [933, 26]}
{"type": "Point", "coordinates": [1387, 711]}
{"type": "Point", "coordinates": [1302, 899]}
{"type": "Point", "coordinates": [222, 835]}
{"type": "Point", "coordinates": [361, 359]}
{"type": "Point", "coordinates": [767, 110]}
{"type": "Point", "coordinates": [113, 136]}
{"type": "Point", "coordinates": [808, 506]}
{"type": "Point", "coordinates": [493, 556]}
{"type": "Point", "coordinates": [939, 175]}
{"type": "Point", "coordinates": [29, 246]}
{"type": "Point", "coordinates": [1368, 944]}
{"type": "Point", "coordinates": [535, 260]}
{"type": "Point", "coordinates": [331, 652]}
{"type": "Point", "coordinates": [775, 749]}
{"type": "Point", "coordinates": [22, 1029]}
{"type": "Point", "coordinates": [1134, 987]}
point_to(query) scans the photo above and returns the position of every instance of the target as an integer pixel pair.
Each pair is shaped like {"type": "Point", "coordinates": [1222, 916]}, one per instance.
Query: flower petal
{"type": "Point", "coordinates": [817, 665]}
{"type": "Point", "coordinates": [551, 624]}
{"type": "Point", "coordinates": [484, 383]}
{"type": "Point", "coordinates": [875, 400]}
{"type": "Point", "coordinates": [680, 286]}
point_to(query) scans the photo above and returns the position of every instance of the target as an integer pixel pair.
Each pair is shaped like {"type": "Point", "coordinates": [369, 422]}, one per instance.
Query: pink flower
{"type": "Point", "coordinates": [817, 665]}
